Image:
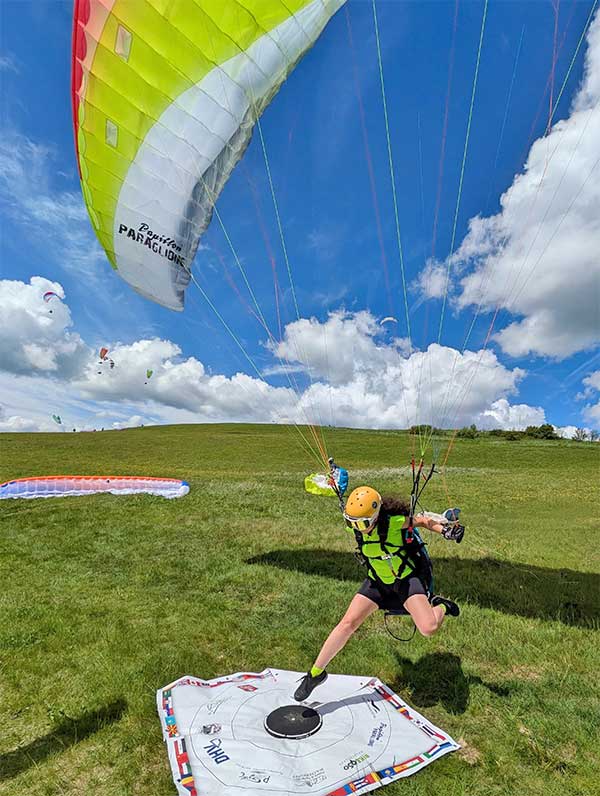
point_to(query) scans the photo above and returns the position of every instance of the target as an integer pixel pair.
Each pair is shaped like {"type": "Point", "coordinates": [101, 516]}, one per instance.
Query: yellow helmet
{"type": "Point", "coordinates": [362, 508]}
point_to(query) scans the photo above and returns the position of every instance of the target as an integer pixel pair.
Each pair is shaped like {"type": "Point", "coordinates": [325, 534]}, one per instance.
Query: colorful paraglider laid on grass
{"type": "Point", "coordinates": [70, 485]}
{"type": "Point", "coordinates": [213, 75]}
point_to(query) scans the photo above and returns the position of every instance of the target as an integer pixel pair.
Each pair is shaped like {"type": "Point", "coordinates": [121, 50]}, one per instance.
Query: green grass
{"type": "Point", "coordinates": [105, 599]}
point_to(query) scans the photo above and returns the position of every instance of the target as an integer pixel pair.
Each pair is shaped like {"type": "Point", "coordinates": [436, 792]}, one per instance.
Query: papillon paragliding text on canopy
{"type": "Point", "coordinates": [165, 98]}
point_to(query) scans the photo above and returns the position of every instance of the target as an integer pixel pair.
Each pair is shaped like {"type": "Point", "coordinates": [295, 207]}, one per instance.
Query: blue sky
{"type": "Point", "coordinates": [319, 163]}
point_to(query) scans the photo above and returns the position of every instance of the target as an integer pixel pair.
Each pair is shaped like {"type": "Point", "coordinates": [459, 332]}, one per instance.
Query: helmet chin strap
{"type": "Point", "coordinates": [372, 527]}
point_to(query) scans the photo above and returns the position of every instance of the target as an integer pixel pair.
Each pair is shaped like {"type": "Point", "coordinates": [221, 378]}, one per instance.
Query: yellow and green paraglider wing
{"type": "Point", "coordinates": [165, 95]}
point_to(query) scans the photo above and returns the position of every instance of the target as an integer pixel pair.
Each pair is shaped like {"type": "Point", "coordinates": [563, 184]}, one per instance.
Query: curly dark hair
{"type": "Point", "coordinates": [393, 504]}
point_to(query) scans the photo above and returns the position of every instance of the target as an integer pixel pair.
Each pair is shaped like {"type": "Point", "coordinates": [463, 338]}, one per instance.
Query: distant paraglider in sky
{"type": "Point", "coordinates": [48, 296]}
{"type": "Point", "coordinates": [148, 376]}
{"type": "Point", "coordinates": [59, 422]}
{"type": "Point", "coordinates": [389, 319]}
{"type": "Point", "coordinates": [105, 359]}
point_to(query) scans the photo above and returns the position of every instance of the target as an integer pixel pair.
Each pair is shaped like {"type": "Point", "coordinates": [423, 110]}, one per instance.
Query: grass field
{"type": "Point", "coordinates": [105, 599]}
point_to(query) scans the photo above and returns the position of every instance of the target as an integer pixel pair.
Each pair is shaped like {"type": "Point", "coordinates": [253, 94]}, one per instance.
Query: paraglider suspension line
{"type": "Point", "coordinates": [416, 492]}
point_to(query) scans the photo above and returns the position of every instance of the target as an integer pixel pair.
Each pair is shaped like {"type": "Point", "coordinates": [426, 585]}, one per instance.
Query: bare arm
{"type": "Point", "coordinates": [421, 521]}
{"type": "Point", "coordinates": [449, 529]}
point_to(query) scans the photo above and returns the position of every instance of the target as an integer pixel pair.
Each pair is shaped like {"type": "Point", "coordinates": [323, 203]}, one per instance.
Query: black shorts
{"type": "Point", "coordinates": [392, 597]}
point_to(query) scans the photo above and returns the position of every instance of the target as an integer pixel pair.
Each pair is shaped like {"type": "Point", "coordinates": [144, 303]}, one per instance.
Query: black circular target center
{"type": "Point", "coordinates": [293, 721]}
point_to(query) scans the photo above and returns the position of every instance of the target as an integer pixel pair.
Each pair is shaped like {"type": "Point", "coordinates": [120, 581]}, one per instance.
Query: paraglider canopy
{"type": "Point", "coordinates": [165, 97]}
{"type": "Point", "coordinates": [68, 485]}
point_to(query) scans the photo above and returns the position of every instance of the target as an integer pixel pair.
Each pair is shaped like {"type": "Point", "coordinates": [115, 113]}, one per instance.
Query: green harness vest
{"type": "Point", "coordinates": [386, 556]}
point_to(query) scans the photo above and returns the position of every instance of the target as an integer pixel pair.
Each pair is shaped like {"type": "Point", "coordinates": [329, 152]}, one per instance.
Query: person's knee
{"type": "Point", "coordinates": [427, 626]}
{"type": "Point", "coordinates": [349, 625]}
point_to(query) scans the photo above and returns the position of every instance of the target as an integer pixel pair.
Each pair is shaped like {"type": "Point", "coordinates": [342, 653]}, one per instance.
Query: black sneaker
{"type": "Point", "coordinates": [450, 606]}
{"type": "Point", "coordinates": [308, 685]}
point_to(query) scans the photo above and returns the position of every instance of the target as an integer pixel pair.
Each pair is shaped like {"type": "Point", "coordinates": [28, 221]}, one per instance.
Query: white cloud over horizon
{"type": "Point", "coordinates": [359, 376]}
{"type": "Point", "coordinates": [515, 417]}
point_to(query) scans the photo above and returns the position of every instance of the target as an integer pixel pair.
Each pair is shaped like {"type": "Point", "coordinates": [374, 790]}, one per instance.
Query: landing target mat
{"type": "Point", "coordinates": [218, 745]}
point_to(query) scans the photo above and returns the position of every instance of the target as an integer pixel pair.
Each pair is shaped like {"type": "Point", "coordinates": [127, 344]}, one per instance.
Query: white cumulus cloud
{"type": "Point", "coordinates": [431, 281]}
{"type": "Point", "coordinates": [514, 417]}
{"type": "Point", "coordinates": [360, 376]}
{"type": "Point", "coordinates": [591, 384]}
{"type": "Point", "coordinates": [179, 383]}
{"type": "Point", "coordinates": [539, 258]}
{"type": "Point", "coordinates": [340, 347]}
{"type": "Point", "coordinates": [361, 381]}
{"type": "Point", "coordinates": [18, 423]}
{"type": "Point", "coordinates": [35, 334]}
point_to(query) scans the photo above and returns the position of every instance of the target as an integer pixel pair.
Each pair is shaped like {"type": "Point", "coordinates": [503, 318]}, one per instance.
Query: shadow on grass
{"type": "Point", "coordinates": [438, 678]}
{"type": "Point", "coordinates": [520, 589]}
{"type": "Point", "coordinates": [69, 732]}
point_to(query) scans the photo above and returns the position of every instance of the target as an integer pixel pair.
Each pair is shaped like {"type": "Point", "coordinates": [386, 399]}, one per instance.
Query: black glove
{"type": "Point", "coordinates": [454, 533]}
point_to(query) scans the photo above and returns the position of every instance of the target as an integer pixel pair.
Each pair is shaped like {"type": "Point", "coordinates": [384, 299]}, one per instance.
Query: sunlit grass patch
{"type": "Point", "coordinates": [105, 599]}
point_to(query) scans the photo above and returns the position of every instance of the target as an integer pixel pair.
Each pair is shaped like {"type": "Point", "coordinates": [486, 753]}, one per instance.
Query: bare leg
{"type": "Point", "coordinates": [358, 610]}
{"type": "Point", "coordinates": [426, 617]}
